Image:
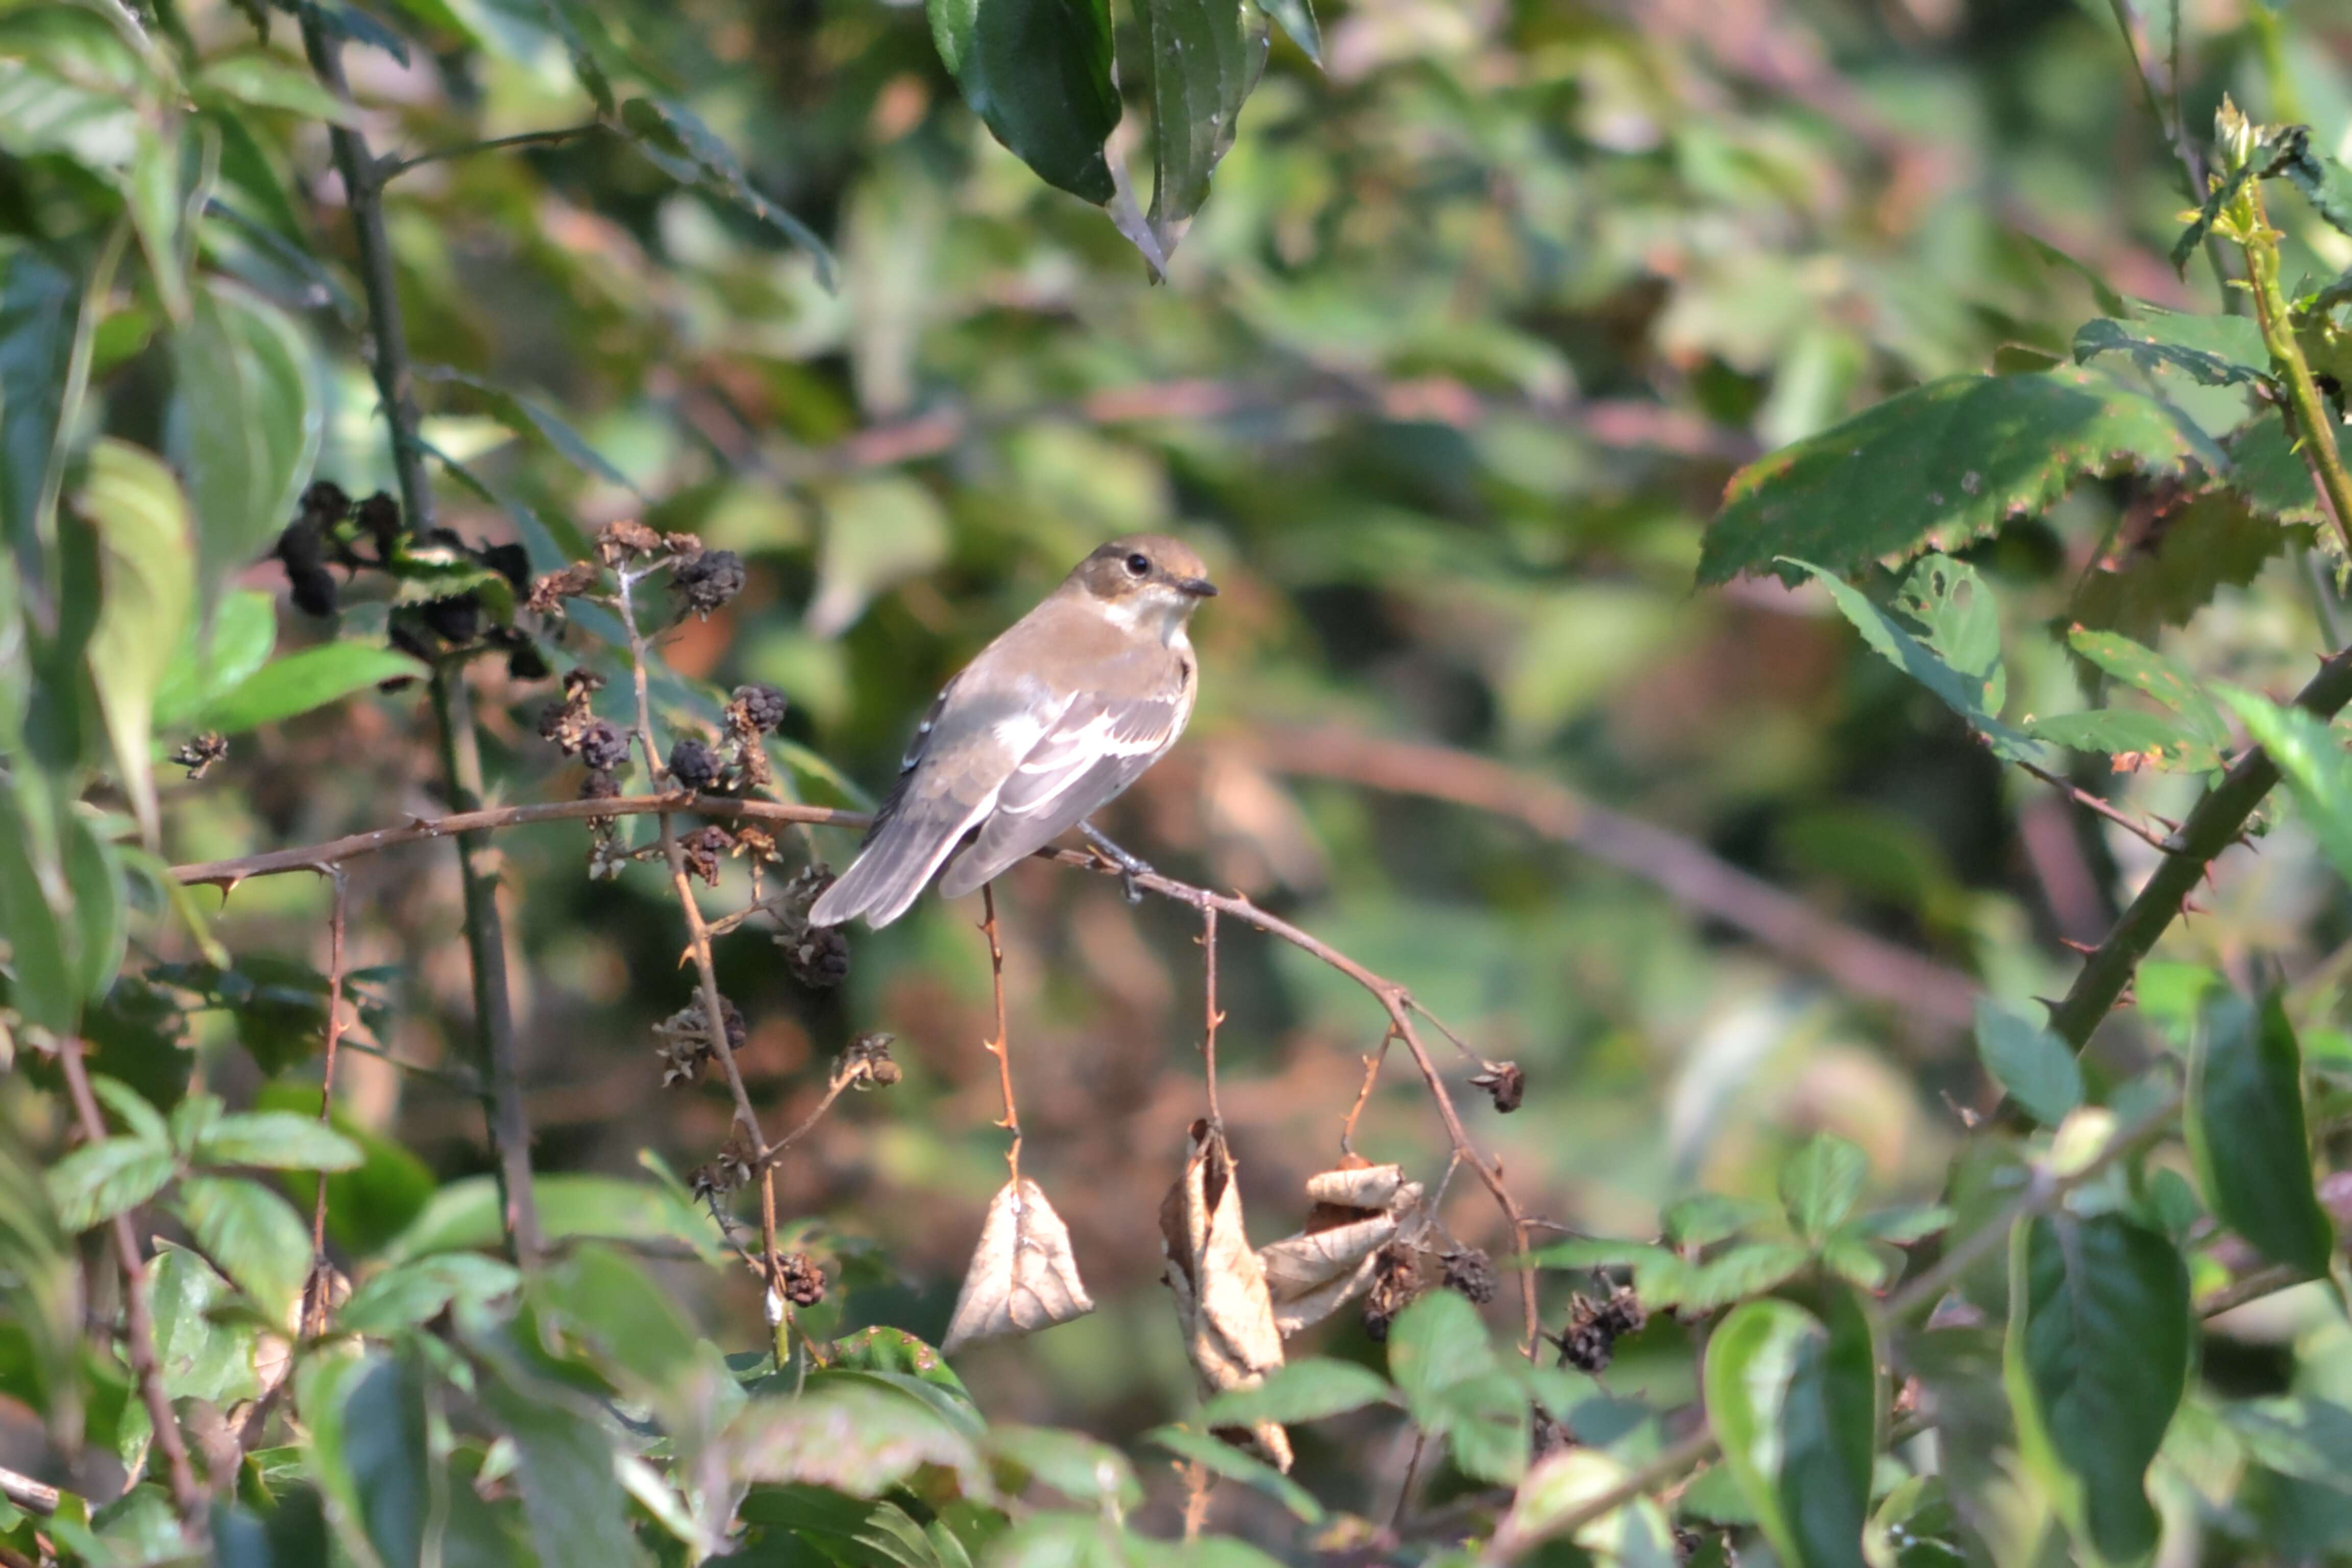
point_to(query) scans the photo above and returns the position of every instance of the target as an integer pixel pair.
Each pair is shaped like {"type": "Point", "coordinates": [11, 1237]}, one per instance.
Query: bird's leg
{"type": "Point", "coordinates": [1129, 868]}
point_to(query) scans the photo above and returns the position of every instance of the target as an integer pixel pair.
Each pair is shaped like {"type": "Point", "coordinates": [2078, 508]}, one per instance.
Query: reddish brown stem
{"type": "Point", "coordinates": [999, 1046]}
{"type": "Point", "coordinates": [1213, 1017]}
{"type": "Point", "coordinates": [314, 1291]}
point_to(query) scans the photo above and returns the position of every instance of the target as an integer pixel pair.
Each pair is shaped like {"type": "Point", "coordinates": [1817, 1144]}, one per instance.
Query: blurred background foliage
{"type": "Point", "coordinates": [1444, 382]}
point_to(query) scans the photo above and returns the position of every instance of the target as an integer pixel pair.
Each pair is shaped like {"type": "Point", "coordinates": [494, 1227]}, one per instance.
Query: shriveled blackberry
{"type": "Point", "coordinates": [457, 620]}
{"type": "Point", "coordinates": [525, 662]}
{"type": "Point", "coordinates": [510, 561]}
{"type": "Point", "coordinates": [603, 747]}
{"type": "Point", "coordinates": [818, 956]}
{"type": "Point", "coordinates": [379, 517]}
{"type": "Point", "coordinates": [708, 580]}
{"type": "Point", "coordinates": [803, 1282]}
{"type": "Point", "coordinates": [704, 848]}
{"type": "Point", "coordinates": [314, 589]}
{"type": "Point", "coordinates": [1469, 1271]}
{"type": "Point", "coordinates": [761, 707]}
{"type": "Point", "coordinates": [693, 764]}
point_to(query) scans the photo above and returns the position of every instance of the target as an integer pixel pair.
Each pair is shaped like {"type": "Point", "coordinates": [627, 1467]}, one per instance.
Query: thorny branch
{"type": "Point", "coordinates": [139, 1322]}
{"type": "Point", "coordinates": [388, 359]}
{"type": "Point", "coordinates": [314, 1291]}
{"type": "Point", "coordinates": [1211, 1016]}
{"type": "Point", "coordinates": [1000, 1044]}
{"type": "Point", "coordinates": [697, 935]}
{"type": "Point", "coordinates": [2096, 805]}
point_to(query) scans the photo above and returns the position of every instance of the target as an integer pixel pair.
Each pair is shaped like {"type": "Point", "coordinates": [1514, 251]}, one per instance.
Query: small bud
{"type": "Point", "coordinates": [200, 752]}
{"type": "Point", "coordinates": [1505, 1082]}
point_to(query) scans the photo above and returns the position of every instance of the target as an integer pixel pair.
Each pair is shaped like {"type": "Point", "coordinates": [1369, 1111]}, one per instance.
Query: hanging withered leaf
{"type": "Point", "coordinates": [1331, 1261]}
{"type": "Point", "coordinates": [1023, 1277]}
{"type": "Point", "coordinates": [1219, 1285]}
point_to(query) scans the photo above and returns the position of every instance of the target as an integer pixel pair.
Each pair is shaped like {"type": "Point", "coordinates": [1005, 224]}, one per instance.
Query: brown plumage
{"type": "Point", "coordinates": [1048, 724]}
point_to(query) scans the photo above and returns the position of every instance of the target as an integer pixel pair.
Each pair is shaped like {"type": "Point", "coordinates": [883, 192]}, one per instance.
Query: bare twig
{"type": "Point", "coordinates": [1863, 965]}
{"type": "Point", "coordinates": [698, 936]}
{"type": "Point", "coordinates": [2215, 825]}
{"type": "Point", "coordinates": [388, 361]}
{"type": "Point", "coordinates": [1364, 1094]}
{"type": "Point", "coordinates": [2095, 805]}
{"type": "Point", "coordinates": [314, 1289]}
{"type": "Point", "coordinates": [2253, 1286]}
{"type": "Point", "coordinates": [1000, 1045]}
{"type": "Point", "coordinates": [1211, 1017]}
{"type": "Point", "coordinates": [139, 1323]}
{"type": "Point", "coordinates": [846, 1072]}
{"type": "Point", "coordinates": [25, 1493]}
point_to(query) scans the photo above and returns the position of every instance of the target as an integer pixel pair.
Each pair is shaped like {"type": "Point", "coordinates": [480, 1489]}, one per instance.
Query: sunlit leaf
{"type": "Point", "coordinates": [278, 1139]}
{"type": "Point", "coordinates": [245, 424]}
{"type": "Point", "coordinates": [365, 1418]}
{"type": "Point", "coordinates": [2218, 351]}
{"type": "Point", "coordinates": [1223, 1459]}
{"type": "Point", "coordinates": [1819, 1183]}
{"type": "Point", "coordinates": [262, 80]}
{"type": "Point", "coordinates": [1796, 1405]}
{"type": "Point", "coordinates": [299, 682]}
{"type": "Point", "coordinates": [253, 1235]}
{"type": "Point", "coordinates": [99, 1181]}
{"type": "Point", "coordinates": [201, 1358]}
{"type": "Point", "coordinates": [2310, 756]}
{"type": "Point", "coordinates": [1964, 694]}
{"type": "Point", "coordinates": [1936, 467]}
{"type": "Point", "coordinates": [1306, 1390]}
{"type": "Point", "coordinates": [1635, 1535]}
{"type": "Point", "coordinates": [2031, 1065]}
{"type": "Point", "coordinates": [142, 520]}
{"type": "Point", "coordinates": [1038, 74]}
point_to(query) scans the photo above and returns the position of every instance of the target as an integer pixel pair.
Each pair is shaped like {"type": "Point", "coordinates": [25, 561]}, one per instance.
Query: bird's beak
{"type": "Point", "coordinates": [1196, 587]}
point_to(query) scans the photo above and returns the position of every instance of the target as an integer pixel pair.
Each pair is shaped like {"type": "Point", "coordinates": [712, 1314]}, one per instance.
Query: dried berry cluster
{"type": "Point", "coordinates": [728, 1171]}
{"type": "Point", "coordinates": [441, 609]}
{"type": "Point", "coordinates": [1505, 1082]}
{"type": "Point", "coordinates": [702, 849]}
{"type": "Point", "coordinates": [685, 1040]}
{"type": "Point", "coordinates": [818, 956]}
{"type": "Point", "coordinates": [198, 754]}
{"type": "Point", "coordinates": [1589, 1342]}
{"type": "Point", "coordinates": [868, 1063]}
{"type": "Point", "coordinates": [1406, 1268]}
{"type": "Point", "coordinates": [801, 1281]}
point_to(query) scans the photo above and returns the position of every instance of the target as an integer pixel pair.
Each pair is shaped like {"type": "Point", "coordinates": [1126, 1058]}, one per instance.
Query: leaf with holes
{"type": "Point", "coordinates": [1963, 694]}
{"type": "Point", "coordinates": [2095, 1360]}
{"type": "Point", "coordinates": [1937, 467]}
{"type": "Point", "coordinates": [2217, 351]}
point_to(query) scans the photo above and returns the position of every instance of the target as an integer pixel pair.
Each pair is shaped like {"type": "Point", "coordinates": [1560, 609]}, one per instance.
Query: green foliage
{"type": "Point", "coordinates": [2031, 1065]}
{"type": "Point", "coordinates": [299, 682]}
{"type": "Point", "coordinates": [1038, 74]}
{"type": "Point", "coordinates": [2245, 1127]}
{"type": "Point", "coordinates": [1796, 1403]}
{"type": "Point", "coordinates": [1938, 469]}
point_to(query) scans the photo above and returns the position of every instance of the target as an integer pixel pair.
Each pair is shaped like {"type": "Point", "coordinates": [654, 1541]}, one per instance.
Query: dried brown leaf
{"type": "Point", "coordinates": [1220, 1286]}
{"type": "Point", "coordinates": [1358, 1211]}
{"type": "Point", "coordinates": [1023, 1277]}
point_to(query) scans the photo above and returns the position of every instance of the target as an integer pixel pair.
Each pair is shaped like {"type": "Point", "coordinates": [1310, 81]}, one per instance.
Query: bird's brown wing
{"type": "Point", "coordinates": [1101, 745]}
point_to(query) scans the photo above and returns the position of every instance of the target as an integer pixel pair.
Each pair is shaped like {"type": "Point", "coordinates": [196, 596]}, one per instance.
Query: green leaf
{"type": "Point", "coordinates": [1796, 1406]}
{"type": "Point", "coordinates": [139, 1118]}
{"type": "Point", "coordinates": [1037, 72]}
{"type": "Point", "coordinates": [1911, 1223]}
{"type": "Point", "coordinates": [1078, 1467]}
{"type": "Point", "coordinates": [1296, 19]}
{"type": "Point", "coordinates": [1223, 1458]}
{"type": "Point", "coordinates": [2311, 758]}
{"type": "Point", "coordinates": [1819, 1183]}
{"type": "Point", "coordinates": [206, 668]}
{"type": "Point", "coordinates": [93, 871]}
{"type": "Point", "coordinates": [679, 144]}
{"type": "Point", "coordinates": [40, 968]}
{"type": "Point", "coordinates": [2270, 471]}
{"type": "Point", "coordinates": [564, 1468]}
{"type": "Point", "coordinates": [578, 25]}
{"type": "Point", "coordinates": [2212, 539]}
{"type": "Point", "coordinates": [275, 1139]}
{"type": "Point", "coordinates": [464, 1214]}
{"type": "Point", "coordinates": [2153, 674]}
{"type": "Point", "coordinates": [299, 682]}
{"type": "Point", "coordinates": [1701, 1219]}
{"type": "Point", "coordinates": [527, 418]}
{"type": "Point", "coordinates": [2031, 1065]}
{"type": "Point", "coordinates": [1747, 1270]}
{"type": "Point", "coordinates": [1963, 694]}
{"type": "Point", "coordinates": [2134, 738]}
{"type": "Point", "coordinates": [150, 189]}
{"type": "Point", "coordinates": [149, 565]}
{"type": "Point", "coordinates": [411, 1293]}
{"type": "Point", "coordinates": [201, 1358]}
{"type": "Point", "coordinates": [261, 79]}
{"type": "Point", "coordinates": [245, 424]}
{"type": "Point", "coordinates": [366, 1420]}
{"type": "Point", "coordinates": [1201, 58]}
{"type": "Point", "coordinates": [2217, 351]}
{"type": "Point", "coordinates": [1595, 1252]}
{"type": "Point", "coordinates": [1936, 467]}
{"type": "Point", "coordinates": [253, 1235]}
{"type": "Point", "coordinates": [99, 1181]}
{"type": "Point", "coordinates": [2303, 1438]}
{"type": "Point", "coordinates": [2247, 1134]}
{"type": "Point", "coordinates": [2096, 1359]}
{"type": "Point", "coordinates": [40, 311]}
{"type": "Point", "coordinates": [852, 1437]}
{"type": "Point", "coordinates": [1457, 1388]}
{"type": "Point", "coordinates": [1635, 1535]}
{"type": "Point", "coordinates": [1305, 1390]}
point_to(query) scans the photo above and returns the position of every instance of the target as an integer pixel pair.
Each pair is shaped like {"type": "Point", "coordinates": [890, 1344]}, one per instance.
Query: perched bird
{"type": "Point", "coordinates": [1050, 722]}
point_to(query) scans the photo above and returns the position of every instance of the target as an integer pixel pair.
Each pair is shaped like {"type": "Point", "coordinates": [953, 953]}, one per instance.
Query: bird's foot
{"type": "Point", "coordinates": [1129, 866]}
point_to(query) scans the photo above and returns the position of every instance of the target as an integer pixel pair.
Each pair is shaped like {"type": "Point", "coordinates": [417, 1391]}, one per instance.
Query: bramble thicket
{"type": "Point", "coordinates": [1751, 953]}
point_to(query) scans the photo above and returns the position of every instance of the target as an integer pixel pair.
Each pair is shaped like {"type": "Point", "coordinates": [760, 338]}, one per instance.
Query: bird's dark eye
{"type": "Point", "coordinates": [1138, 565]}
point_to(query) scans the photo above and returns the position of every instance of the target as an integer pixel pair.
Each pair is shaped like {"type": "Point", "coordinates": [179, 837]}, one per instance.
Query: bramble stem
{"type": "Point", "coordinates": [999, 1046]}
{"type": "Point", "coordinates": [314, 1289]}
{"type": "Point", "coordinates": [2311, 421]}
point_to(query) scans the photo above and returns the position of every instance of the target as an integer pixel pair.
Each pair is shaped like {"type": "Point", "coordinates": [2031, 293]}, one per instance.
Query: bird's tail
{"type": "Point", "coordinates": [899, 856]}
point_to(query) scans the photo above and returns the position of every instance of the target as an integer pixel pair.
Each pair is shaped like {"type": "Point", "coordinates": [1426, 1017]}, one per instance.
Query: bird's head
{"type": "Point", "coordinates": [1145, 579]}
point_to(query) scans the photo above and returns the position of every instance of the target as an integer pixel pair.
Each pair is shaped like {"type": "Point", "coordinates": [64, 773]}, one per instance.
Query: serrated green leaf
{"type": "Point", "coordinates": [2310, 757]}
{"type": "Point", "coordinates": [1963, 694]}
{"type": "Point", "coordinates": [1455, 1387]}
{"type": "Point", "coordinates": [1201, 57]}
{"type": "Point", "coordinates": [253, 1235]}
{"type": "Point", "coordinates": [1701, 1219]}
{"type": "Point", "coordinates": [2031, 1065]}
{"type": "Point", "coordinates": [40, 315]}
{"type": "Point", "coordinates": [2135, 739]}
{"type": "Point", "coordinates": [245, 424]}
{"type": "Point", "coordinates": [1038, 74]}
{"type": "Point", "coordinates": [275, 1139]}
{"type": "Point", "coordinates": [464, 1214]}
{"type": "Point", "coordinates": [2146, 670]}
{"type": "Point", "coordinates": [678, 143]}
{"type": "Point", "coordinates": [1224, 1459]}
{"type": "Point", "coordinates": [99, 1181]}
{"type": "Point", "coordinates": [140, 1119]}
{"type": "Point", "coordinates": [1937, 467]}
{"type": "Point", "coordinates": [1309, 1389]}
{"type": "Point", "coordinates": [148, 557]}
{"type": "Point", "coordinates": [200, 1358]}
{"type": "Point", "coordinates": [2303, 1438]}
{"type": "Point", "coordinates": [1796, 1405]}
{"type": "Point", "coordinates": [2215, 539]}
{"type": "Point", "coordinates": [2216, 351]}
{"type": "Point", "coordinates": [1079, 1468]}
{"type": "Point", "coordinates": [2095, 1360]}
{"type": "Point", "coordinates": [1819, 1183]}
{"type": "Point", "coordinates": [411, 1293]}
{"type": "Point", "coordinates": [2272, 476]}
{"type": "Point", "coordinates": [2247, 1134]}
{"type": "Point", "coordinates": [287, 687]}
